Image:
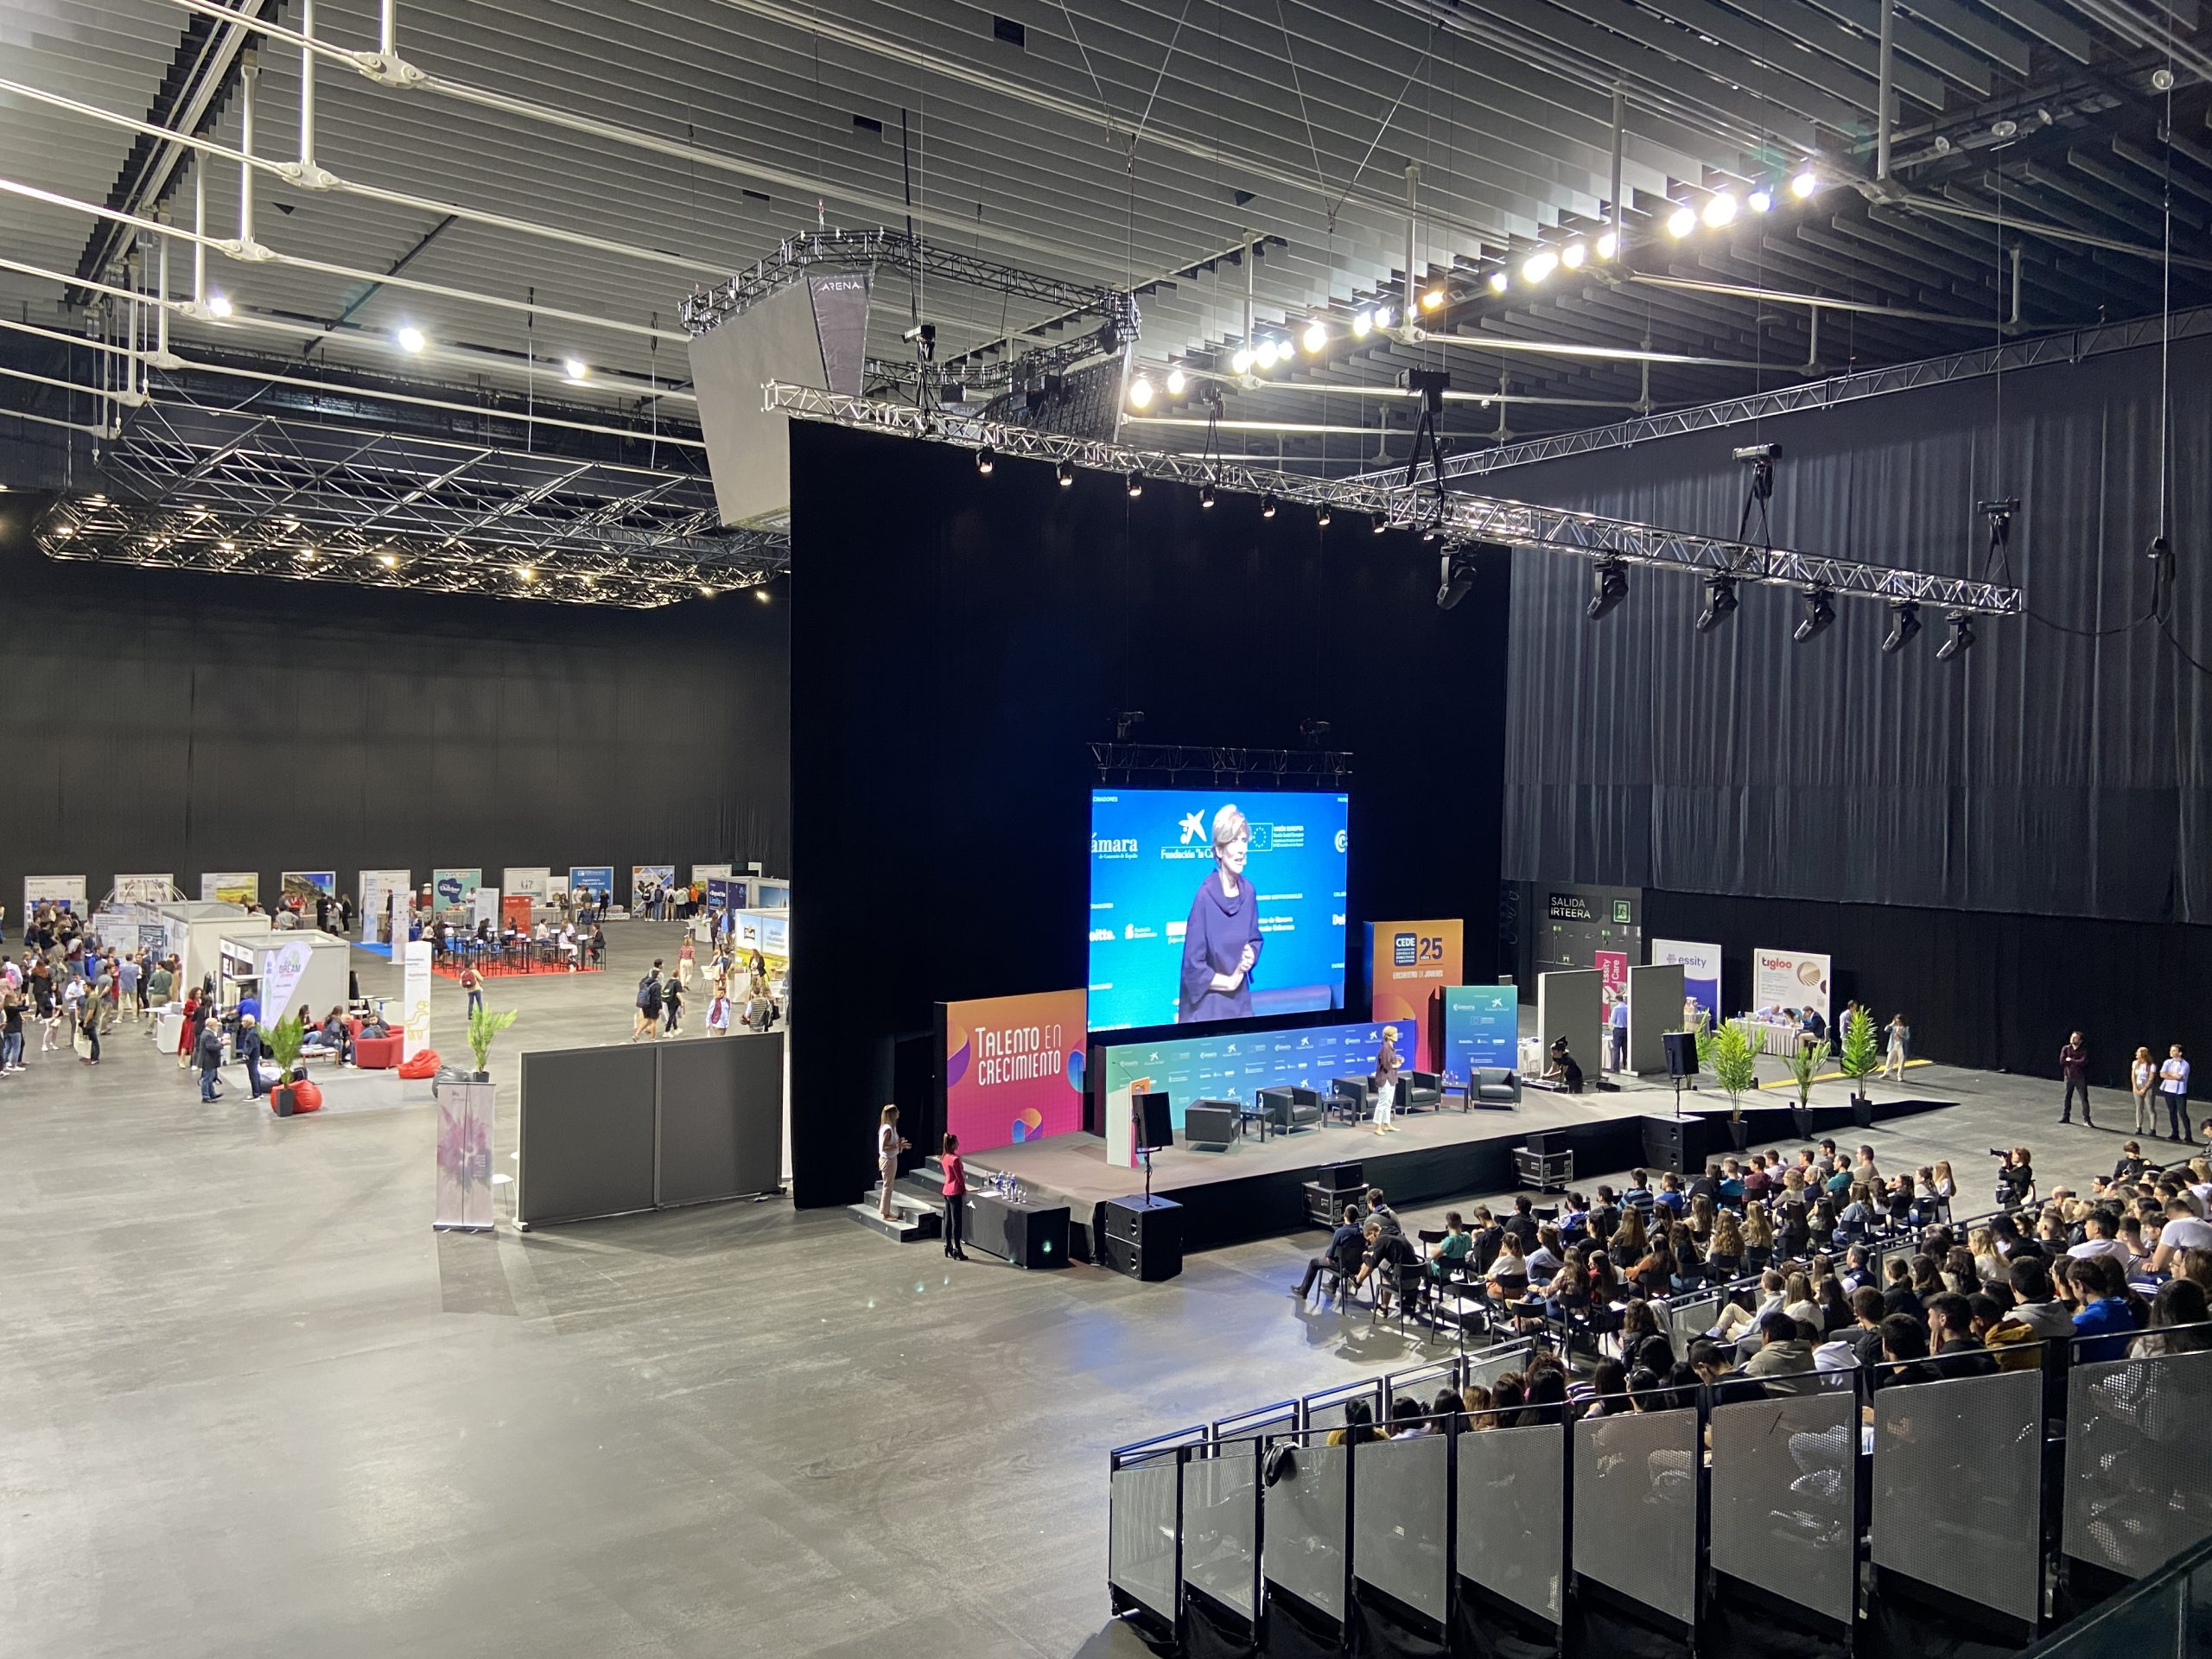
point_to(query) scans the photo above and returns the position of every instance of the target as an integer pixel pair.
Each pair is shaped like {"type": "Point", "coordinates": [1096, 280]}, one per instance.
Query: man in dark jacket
{"type": "Point", "coordinates": [250, 1051]}
{"type": "Point", "coordinates": [208, 1049]}
{"type": "Point", "coordinates": [1346, 1246]}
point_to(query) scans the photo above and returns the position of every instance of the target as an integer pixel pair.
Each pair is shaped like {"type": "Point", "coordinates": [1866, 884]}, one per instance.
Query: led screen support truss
{"type": "Point", "coordinates": [1459, 519]}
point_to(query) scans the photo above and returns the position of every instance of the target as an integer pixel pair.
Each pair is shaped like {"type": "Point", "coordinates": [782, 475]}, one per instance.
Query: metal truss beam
{"type": "Point", "coordinates": [2070, 348]}
{"type": "Point", "coordinates": [1124, 760]}
{"type": "Point", "coordinates": [1453, 519]}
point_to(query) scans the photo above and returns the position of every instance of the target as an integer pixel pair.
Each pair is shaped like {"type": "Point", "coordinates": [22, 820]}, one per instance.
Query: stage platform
{"type": "Point", "coordinates": [1255, 1189]}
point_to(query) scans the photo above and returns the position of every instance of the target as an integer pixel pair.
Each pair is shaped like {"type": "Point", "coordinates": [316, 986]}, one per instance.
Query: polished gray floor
{"type": "Point", "coordinates": [254, 1406]}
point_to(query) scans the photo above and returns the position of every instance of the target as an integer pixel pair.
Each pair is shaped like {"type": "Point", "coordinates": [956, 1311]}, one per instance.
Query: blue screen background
{"type": "Point", "coordinates": [1149, 850]}
{"type": "Point", "coordinates": [1219, 1063]}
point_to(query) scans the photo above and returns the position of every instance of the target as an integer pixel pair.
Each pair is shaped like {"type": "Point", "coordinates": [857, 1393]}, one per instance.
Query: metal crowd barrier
{"type": "Point", "coordinates": [1939, 1500]}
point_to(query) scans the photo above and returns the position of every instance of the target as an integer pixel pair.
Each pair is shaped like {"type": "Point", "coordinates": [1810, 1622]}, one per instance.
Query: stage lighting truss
{"type": "Point", "coordinates": [1463, 520]}
{"type": "Point", "coordinates": [1124, 762]}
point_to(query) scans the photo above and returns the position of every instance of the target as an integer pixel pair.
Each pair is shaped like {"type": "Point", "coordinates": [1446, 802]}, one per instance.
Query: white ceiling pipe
{"type": "Point", "coordinates": [1564, 348]}
{"type": "Point", "coordinates": [7, 414]}
{"type": "Point", "coordinates": [199, 235]}
{"type": "Point", "coordinates": [247, 81]}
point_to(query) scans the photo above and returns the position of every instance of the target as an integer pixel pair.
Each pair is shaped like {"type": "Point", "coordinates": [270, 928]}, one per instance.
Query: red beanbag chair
{"type": "Point", "coordinates": [424, 1065]}
{"type": "Point", "coordinates": [306, 1096]}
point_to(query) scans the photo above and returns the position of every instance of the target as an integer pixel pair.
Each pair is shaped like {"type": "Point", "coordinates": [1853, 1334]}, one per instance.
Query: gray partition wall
{"type": "Point", "coordinates": [1571, 1003]}
{"type": "Point", "coordinates": [1512, 1503]}
{"type": "Point", "coordinates": [585, 1144]}
{"type": "Point", "coordinates": [1957, 1464]}
{"type": "Point", "coordinates": [1655, 1008]}
{"type": "Point", "coordinates": [720, 1123]}
{"type": "Point", "coordinates": [1401, 1521]}
{"type": "Point", "coordinates": [1303, 1551]}
{"type": "Point", "coordinates": [1784, 1502]}
{"type": "Point", "coordinates": [2139, 1460]}
{"type": "Point", "coordinates": [1141, 1543]}
{"type": "Point", "coordinates": [1221, 1514]}
{"type": "Point", "coordinates": [1636, 1507]}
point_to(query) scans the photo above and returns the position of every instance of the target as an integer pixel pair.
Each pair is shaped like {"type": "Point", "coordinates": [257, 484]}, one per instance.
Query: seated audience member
{"type": "Point", "coordinates": [1346, 1245]}
{"type": "Point", "coordinates": [1758, 1235]}
{"type": "Point", "coordinates": [1639, 1196]}
{"type": "Point", "coordinates": [1735, 1320]}
{"type": "Point", "coordinates": [1950, 1337]}
{"type": "Point", "coordinates": [1408, 1421]}
{"type": "Point", "coordinates": [1377, 1210]}
{"type": "Point", "coordinates": [1475, 1401]}
{"type": "Point", "coordinates": [1864, 1335]}
{"type": "Point", "coordinates": [374, 1025]}
{"type": "Point", "coordinates": [1545, 1397]}
{"type": "Point", "coordinates": [1705, 1185]}
{"type": "Point", "coordinates": [1575, 1219]}
{"type": "Point", "coordinates": [337, 1036]}
{"type": "Point", "coordinates": [1858, 1269]}
{"type": "Point", "coordinates": [2106, 1313]}
{"type": "Point", "coordinates": [1603, 1393]}
{"type": "Point", "coordinates": [1905, 1350]}
{"type": "Point", "coordinates": [1671, 1197]}
{"type": "Point", "coordinates": [1454, 1249]}
{"type": "Point", "coordinates": [1724, 1255]}
{"type": "Point", "coordinates": [1522, 1224]}
{"type": "Point", "coordinates": [2180, 1302]}
{"type": "Point", "coordinates": [2100, 1237]}
{"type": "Point", "coordinates": [1508, 1274]}
{"type": "Point", "coordinates": [1605, 1216]}
{"type": "Point", "coordinates": [2183, 1230]}
{"type": "Point", "coordinates": [1359, 1426]}
{"type": "Point", "coordinates": [1444, 1412]}
{"type": "Point", "coordinates": [1715, 1365]}
{"type": "Point", "coordinates": [1545, 1261]}
{"type": "Point", "coordinates": [1387, 1251]}
{"type": "Point", "coordinates": [1834, 1303]}
{"type": "Point", "coordinates": [1784, 1352]}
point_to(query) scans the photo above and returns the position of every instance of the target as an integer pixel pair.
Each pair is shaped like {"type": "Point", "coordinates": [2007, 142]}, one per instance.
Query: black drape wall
{"type": "Point", "coordinates": [1933, 825]}
{"type": "Point", "coordinates": [957, 641]}
{"type": "Point", "coordinates": [162, 722]}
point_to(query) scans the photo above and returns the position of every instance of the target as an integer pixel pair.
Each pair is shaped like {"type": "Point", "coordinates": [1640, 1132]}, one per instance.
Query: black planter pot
{"type": "Point", "coordinates": [280, 1099]}
{"type": "Point", "coordinates": [1740, 1133]}
{"type": "Point", "coordinates": [1800, 1121]}
{"type": "Point", "coordinates": [1862, 1110]}
{"type": "Point", "coordinates": [479, 1077]}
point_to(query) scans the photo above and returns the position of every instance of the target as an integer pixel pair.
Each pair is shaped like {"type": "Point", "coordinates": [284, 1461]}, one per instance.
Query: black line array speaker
{"type": "Point", "coordinates": [1681, 1053]}
{"type": "Point", "coordinates": [1142, 1238]}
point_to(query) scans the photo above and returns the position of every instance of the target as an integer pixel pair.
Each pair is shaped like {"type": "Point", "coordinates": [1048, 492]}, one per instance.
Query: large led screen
{"type": "Point", "coordinates": [1214, 904]}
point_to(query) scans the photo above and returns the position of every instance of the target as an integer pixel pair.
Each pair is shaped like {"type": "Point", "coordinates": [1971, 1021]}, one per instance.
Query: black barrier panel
{"type": "Point", "coordinates": [2139, 1460]}
{"type": "Point", "coordinates": [721, 1118]}
{"type": "Point", "coordinates": [1783, 1497]}
{"type": "Point", "coordinates": [1512, 1499]}
{"type": "Point", "coordinates": [1957, 1486]}
{"type": "Point", "coordinates": [1221, 1526]}
{"type": "Point", "coordinates": [1400, 1510]}
{"type": "Point", "coordinates": [585, 1144]}
{"type": "Point", "coordinates": [1304, 1547]}
{"type": "Point", "coordinates": [1636, 1507]}
{"type": "Point", "coordinates": [1141, 1536]}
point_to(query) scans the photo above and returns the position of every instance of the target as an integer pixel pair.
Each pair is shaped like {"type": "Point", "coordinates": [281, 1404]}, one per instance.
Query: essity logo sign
{"type": "Point", "coordinates": [1404, 950]}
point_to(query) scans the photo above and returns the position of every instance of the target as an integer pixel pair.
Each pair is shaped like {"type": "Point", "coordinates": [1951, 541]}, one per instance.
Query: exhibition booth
{"type": "Point", "coordinates": [300, 972]}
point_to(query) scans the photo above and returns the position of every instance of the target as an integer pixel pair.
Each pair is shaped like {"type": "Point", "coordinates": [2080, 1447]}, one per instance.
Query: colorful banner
{"type": "Point", "coordinates": [377, 889]}
{"type": "Point", "coordinates": [1482, 1028]}
{"type": "Point", "coordinates": [456, 886]}
{"type": "Point", "coordinates": [1613, 965]}
{"type": "Point", "coordinates": [1700, 966]}
{"type": "Point", "coordinates": [66, 892]}
{"type": "Point", "coordinates": [305, 885]}
{"type": "Point", "coordinates": [1407, 963]}
{"type": "Point", "coordinates": [530, 880]}
{"type": "Point", "coordinates": [709, 872]}
{"type": "Point", "coordinates": [1789, 979]}
{"type": "Point", "coordinates": [464, 1197]}
{"type": "Point", "coordinates": [591, 880]}
{"type": "Point", "coordinates": [231, 886]}
{"type": "Point", "coordinates": [1013, 1068]}
{"type": "Point", "coordinates": [415, 999]}
{"type": "Point", "coordinates": [514, 912]}
{"type": "Point", "coordinates": [646, 880]}
{"type": "Point", "coordinates": [724, 894]}
{"type": "Point", "coordinates": [281, 967]}
{"type": "Point", "coordinates": [151, 889]}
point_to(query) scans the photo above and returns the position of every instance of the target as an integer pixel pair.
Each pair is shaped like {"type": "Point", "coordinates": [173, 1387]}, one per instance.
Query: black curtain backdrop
{"type": "Point", "coordinates": [165, 721]}
{"type": "Point", "coordinates": [2044, 773]}
{"type": "Point", "coordinates": [955, 642]}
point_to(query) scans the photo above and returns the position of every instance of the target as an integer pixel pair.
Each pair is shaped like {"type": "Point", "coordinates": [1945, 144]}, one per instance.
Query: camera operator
{"type": "Point", "coordinates": [2016, 1177]}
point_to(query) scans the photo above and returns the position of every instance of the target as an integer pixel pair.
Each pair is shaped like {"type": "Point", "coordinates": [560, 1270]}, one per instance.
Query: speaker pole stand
{"type": "Point", "coordinates": [1148, 1178]}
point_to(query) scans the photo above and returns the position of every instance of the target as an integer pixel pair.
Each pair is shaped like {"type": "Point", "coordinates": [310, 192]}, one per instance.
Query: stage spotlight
{"type": "Point", "coordinates": [1064, 473]}
{"type": "Point", "coordinates": [1205, 497]}
{"type": "Point", "coordinates": [1458, 578]}
{"type": "Point", "coordinates": [1804, 184]}
{"type": "Point", "coordinates": [1819, 612]}
{"type": "Point", "coordinates": [1316, 337]}
{"type": "Point", "coordinates": [1432, 300]}
{"type": "Point", "coordinates": [1719, 603]}
{"type": "Point", "coordinates": [1242, 362]}
{"type": "Point", "coordinates": [1135, 485]}
{"type": "Point", "coordinates": [1608, 245]}
{"type": "Point", "coordinates": [1539, 266]}
{"type": "Point", "coordinates": [1433, 531]}
{"type": "Point", "coordinates": [1681, 223]}
{"type": "Point", "coordinates": [1961, 640]}
{"type": "Point", "coordinates": [526, 573]}
{"type": "Point", "coordinates": [218, 305]}
{"type": "Point", "coordinates": [1572, 255]}
{"type": "Point", "coordinates": [1265, 357]}
{"type": "Point", "coordinates": [1759, 201]}
{"type": "Point", "coordinates": [1322, 515]}
{"type": "Point", "coordinates": [1720, 210]}
{"type": "Point", "coordinates": [1608, 587]}
{"type": "Point", "coordinates": [1140, 393]}
{"type": "Point", "coordinates": [1362, 324]}
{"type": "Point", "coordinates": [1499, 282]}
{"type": "Point", "coordinates": [761, 594]}
{"type": "Point", "coordinates": [985, 461]}
{"type": "Point", "coordinates": [1377, 524]}
{"type": "Point", "coordinates": [1268, 506]}
{"type": "Point", "coordinates": [1176, 381]}
{"type": "Point", "coordinates": [575, 368]}
{"type": "Point", "coordinates": [1383, 314]}
{"type": "Point", "coordinates": [1904, 624]}
{"type": "Point", "coordinates": [410, 338]}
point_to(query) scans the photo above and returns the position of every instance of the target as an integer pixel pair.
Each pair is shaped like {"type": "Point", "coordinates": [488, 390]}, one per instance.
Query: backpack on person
{"type": "Point", "coordinates": [648, 994]}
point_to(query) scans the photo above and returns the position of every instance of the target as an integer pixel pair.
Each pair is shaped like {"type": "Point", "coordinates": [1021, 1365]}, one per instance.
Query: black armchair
{"type": "Point", "coordinates": [1493, 1088]}
{"type": "Point", "coordinates": [1291, 1107]}
{"type": "Point", "coordinates": [1351, 1098]}
{"type": "Point", "coordinates": [1422, 1090]}
{"type": "Point", "coordinates": [1209, 1122]}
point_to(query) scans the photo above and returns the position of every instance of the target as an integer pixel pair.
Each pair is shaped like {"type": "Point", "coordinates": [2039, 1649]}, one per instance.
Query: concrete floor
{"type": "Point", "coordinates": [254, 1406]}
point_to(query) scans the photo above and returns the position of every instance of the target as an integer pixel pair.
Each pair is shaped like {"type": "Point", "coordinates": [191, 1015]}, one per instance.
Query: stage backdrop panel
{"type": "Point", "coordinates": [1789, 979]}
{"type": "Point", "coordinates": [1237, 1066]}
{"type": "Point", "coordinates": [1408, 965]}
{"type": "Point", "coordinates": [1700, 966]}
{"type": "Point", "coordinates": [1571, 1004]}
{"type": "Point", "coordinates": [720, 1118]}
{"type": "Point", "coordinates": [1655, 1008]}
{"type": "Point", "coordinates": [1482, 1026]}
{"type": "Point", "coordinates": [585, 1135]}
{"type": "Point", "coordinates": [1013, 1067]}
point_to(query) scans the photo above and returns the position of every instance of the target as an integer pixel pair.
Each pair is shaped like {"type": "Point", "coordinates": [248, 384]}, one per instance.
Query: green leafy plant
{"type": "Point", "coordinates": [1804, 1065]}
{"type": "Point", "coordinates": [1860, 1057]}
{"type": "Point", "coordinates": [483, 1025]}
{"type": "Point", "coordinates": [1703, 1030]}
{"type": "Point", "coordinates": [284, 1041]}
{"type": "Point", "coordinates": [1734, 1066]}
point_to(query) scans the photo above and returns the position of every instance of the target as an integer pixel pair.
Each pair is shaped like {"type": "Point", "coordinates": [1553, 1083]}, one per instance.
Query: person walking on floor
{"type": "Point", "coordinates": [2074, 1065]}
{"type": "Point", "coordinates": [649, 995]}
{"type": "Point", "coordinates": [718, 1006]}
{"type": "Point", "coordinates": [209, 1052]}
{"type": "Point", "coordinates": [12, 1030]}
{"type": "Point", "coordinates": [1900, 1034]}
{"type": "Point", "coordinates": [67, 1007]}
{"type": "Point", "coordinates": [94, 1012]}
{"type": "Point", "coordinates": [888, 1144]}
{"type": "Point", "coordinates": [250, 1051]}
{"type": "Point", "coordinates": [2173, 1085]}
{"type": "Point", "coordinates": [2143, 1080]}
{"type": "Point", "coordinates": [671, 1000]}
{"type": "Point", "coordinates": [472, 982]}
{"type": "Point", "coordinates": [954, 1191]}
{"type": "Point", "coordinates": [686, 954]}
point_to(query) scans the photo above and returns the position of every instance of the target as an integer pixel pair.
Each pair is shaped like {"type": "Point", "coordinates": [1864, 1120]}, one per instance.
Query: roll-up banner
{"type": "Point", "coordinates": [1789, 979]}
{"type": "Point", "coordinates": [377, 888]}
{"type": "Point", "coordinates": [1482, 1028]}
{"type": "Point", "coordinates": [1700, 966]}
{"type": "Point", "coordinates": [66, 892]}
{"type": "Point", "coordinates": [231, 886]}
{"type": "Point", "coordinates": [1408, 963]}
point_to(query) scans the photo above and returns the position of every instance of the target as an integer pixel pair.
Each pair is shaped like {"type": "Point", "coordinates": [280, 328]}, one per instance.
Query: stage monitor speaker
{"type": "Point", "coordinates": [1667, 1144]}
{"type": "Point", "coordinates": [1142, 1238]}
{"type": "Point", "coordinates": [1028, 1235]}
{"type": "Point", "coordinates": [1155, 1129]}
{"type": "Point", "coordinates": [1681, 1053]}
{"type": "Point", "coordinates": [1344, 1178]}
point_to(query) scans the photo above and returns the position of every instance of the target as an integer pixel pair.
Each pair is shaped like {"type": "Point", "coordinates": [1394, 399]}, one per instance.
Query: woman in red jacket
{"type": "Point", "coordinates": [956, 1189]}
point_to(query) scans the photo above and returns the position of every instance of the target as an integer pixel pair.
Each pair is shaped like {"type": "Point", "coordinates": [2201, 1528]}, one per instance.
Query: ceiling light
{"type": "Point", "coordinates": [306, 556]}
{"type": "Point", "coordinates": [1499, 282]}
{"type": "Point", "coordinates": [1268, 506]}
{"type": "Point", "coordinates": [1322, 515]}
{"type": "Point", "coordinates": [1819, 612]}
{"type": "Point", "coordinates": [389, 561]}
{"type": "Point", "coordinates": [1572, 255]}
{"type": "Point", "coordinates": [1432, 300]}
{"type": "Point", "coordinates": [575, 368]}
{"type": "Point", "coordinates": [1608, 245]}
{"type": "Point", "coordinates": [525, 572]}
{"type": "Point", "coordinates": [1432, 532]}
{"type": "Point", "coordinates": [1176, 381]}
{"type": "Point", "coordinates": [1377, 524]}
{"type": "Point", "coordinates": [1267, 354]}
{"type": "Point", "coordinates": [1315, 338]}
{"type": "Point", "coordinates": [1136, 482]}
{"type": "Point", "coordinates": [218, 305]}
{"type": "Point", "coordinates": [1759, 201]}
{"type": "Point", "coordinates": [2007, 128]}
{"type": "Point", "coordinates": [410, 338]}
{"type": "Point", "coordinates": [1064, 471]}
{"type": "Point", "coordinates": [1681, 223]}
{"type": "Point", "coordinates": [1961, 640]}
{"type": "Point", "coordinates": [1904, 623]}
{"type": "Point", "coordinates": [1362, 324]}
{"type": "Point", "coordinates": [1242, 362]}
{"type": "Point", "coordinates": [1608, 587]}
{"type": "Point", "coordinates": [705, 592]}
{"type": "Point", "coordinates": [1720, 210]}
{"type": "Point", "coordinates": [1719, 603]}
{"type": "Point", "coordinates": [1459, 573]}
{"type": "Point", "coordinates": [1205, 497]}
{"type": "Point", "coordinates": [761, 594]}
{"type": "Point", "coordinates": [1140, 393]}
{"type": "Point", "coordinates": [1383, 315]}
{"type": "Point", "coordinates": [1540, 266]}
{"type": "Point", "coordinates": [1804, 184]}
{"type": "Point", "coordinates": [228, 547]}
{"type": "Point", "coordinates": [2162, 80]}
{"type": "Point", "coordinates": [984, 461]}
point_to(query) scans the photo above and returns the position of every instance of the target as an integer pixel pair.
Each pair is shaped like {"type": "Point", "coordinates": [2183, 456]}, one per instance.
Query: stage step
{"type": "Point", "coordinates": [912, 1225]}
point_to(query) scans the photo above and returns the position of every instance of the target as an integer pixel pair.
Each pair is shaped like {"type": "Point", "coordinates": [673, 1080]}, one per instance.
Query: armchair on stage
{"type": "Point", "coordinates": [1421, 1091]}
{"type": "Point", "coordinates": [1493, 1088]}
{"type": "Point", "coordinates": [1209, 1122]}
{"type": "Point", "coordinates": [1351, 1098]}
{"type": "Point", "coordinates": [1291, 1107]}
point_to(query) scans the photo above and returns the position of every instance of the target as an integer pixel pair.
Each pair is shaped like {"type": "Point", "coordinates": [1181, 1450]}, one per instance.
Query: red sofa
{"type": "Point", "coordinates": [377, 1053]}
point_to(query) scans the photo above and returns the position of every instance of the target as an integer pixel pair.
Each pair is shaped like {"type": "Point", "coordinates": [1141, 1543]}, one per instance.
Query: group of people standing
{"type": "Point", "coordinates": [661, 993]}
{"type": "Point", "coordinates": [73, 989]}
{"type": "Point", "coordinates": [2152, 1083]}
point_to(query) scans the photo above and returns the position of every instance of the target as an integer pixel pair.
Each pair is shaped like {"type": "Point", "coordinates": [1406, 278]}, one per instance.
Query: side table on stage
{"type": "Point", "coordinates": [1027, 1234]}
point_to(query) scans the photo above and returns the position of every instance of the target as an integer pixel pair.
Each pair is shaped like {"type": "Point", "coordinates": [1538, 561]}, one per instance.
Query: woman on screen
{"type": "Point", "coordinates": [1221, 942]}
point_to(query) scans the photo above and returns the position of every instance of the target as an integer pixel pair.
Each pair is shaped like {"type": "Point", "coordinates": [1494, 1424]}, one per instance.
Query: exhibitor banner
{"type": "Point", "coordinates": [147, 889]}
{"type": "Point", "coordinates": [415, 999]}
{"type": "Point", "coordinates": [231, 886]}
{"type": "Point", "coordinates": [1482, 1028]}
{"type": "Point", "coordinates": [67, 891]}
{"type": "Point", "coordinates": [281, 968]}
{"type": "Point", "coordinates": [456, 886]}
{"type": "Point", "coordinates": [377, 888]}
{"type": "Point", "coordinates": [1407, 963]}
{"type": "Point", "coordinates": [531, 880]}
{"type": "Point", "coordinates": [1013, 1067]}
{"type": "Point", "coordinates": [1789, 979]}
{"type": "Point", "coordinates": [1700, 966]}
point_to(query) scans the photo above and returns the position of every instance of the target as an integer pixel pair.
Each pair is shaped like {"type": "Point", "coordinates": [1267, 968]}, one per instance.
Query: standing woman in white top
{"type": "Point", "coordinates": [1894, 1060]}
{"type": "Point", "coordinates": [2142, 1076]}
{"type": "Point", "coordinates": [888, 1146]}
{"type": "Point", "coordinates": [1386, 1079]}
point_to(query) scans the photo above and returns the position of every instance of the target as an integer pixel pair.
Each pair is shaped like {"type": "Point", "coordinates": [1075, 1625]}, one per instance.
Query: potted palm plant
{"type": "Point", "coordinates": [1734, 1066]}
{"type": "Point", "coordinates": [1860, 1058]}
{"type": "Point", "coordinates": [483, 1025]}
{"type": "Point", "coordinates": [284, 1041]}
{"type": "Point", "coordinates": [1805, 1064]}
